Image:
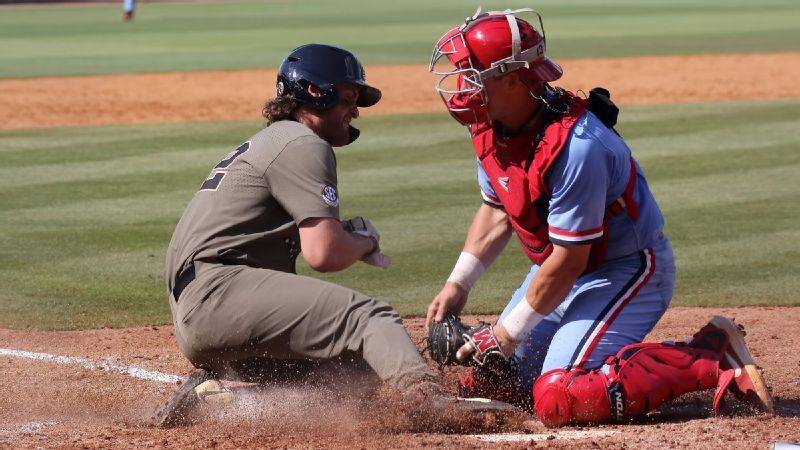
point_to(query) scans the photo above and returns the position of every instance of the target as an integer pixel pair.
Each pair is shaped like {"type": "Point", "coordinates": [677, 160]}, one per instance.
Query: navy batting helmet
{"type": "Point", "coordinates": [323, 66]}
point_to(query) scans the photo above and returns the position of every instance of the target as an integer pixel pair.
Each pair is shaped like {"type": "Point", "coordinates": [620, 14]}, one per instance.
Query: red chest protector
{"type": "Point", "coordinates": [517, 172]}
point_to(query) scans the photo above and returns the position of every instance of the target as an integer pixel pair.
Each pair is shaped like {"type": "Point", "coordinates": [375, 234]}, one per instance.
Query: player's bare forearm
{"type": "Point", "coordinates": [487, 237]}
{"type": "Point", "coordinates": [556, 277]}
{"type": "Point", "coordinates": [551, 284]}
{"type": "Point", "coordinates": [327, 247]}
{"type": "Point", "coordinates": [488, 234]}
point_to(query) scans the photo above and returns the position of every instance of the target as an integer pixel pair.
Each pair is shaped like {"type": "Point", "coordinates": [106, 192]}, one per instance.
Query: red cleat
{"type": "Point", "coordinates": [739, 373]}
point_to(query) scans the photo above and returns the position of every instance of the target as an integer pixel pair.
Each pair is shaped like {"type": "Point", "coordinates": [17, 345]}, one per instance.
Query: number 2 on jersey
{"type": "Point", "coordinates": [217, 173]}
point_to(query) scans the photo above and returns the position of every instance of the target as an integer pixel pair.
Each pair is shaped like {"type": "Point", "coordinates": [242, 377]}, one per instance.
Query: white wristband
{"type": "Point", "coordinates": [521, 320]}
{"type": "Point", "coordinates": [467, 270]}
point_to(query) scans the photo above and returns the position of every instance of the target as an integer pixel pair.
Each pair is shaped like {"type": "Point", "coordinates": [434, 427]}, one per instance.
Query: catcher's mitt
{"type": "Point", "coordinates": [445, 338]}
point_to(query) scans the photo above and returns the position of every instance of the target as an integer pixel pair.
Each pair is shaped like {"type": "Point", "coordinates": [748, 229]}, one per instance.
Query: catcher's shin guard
{"type": "Point", "coordinates": [641, 377]}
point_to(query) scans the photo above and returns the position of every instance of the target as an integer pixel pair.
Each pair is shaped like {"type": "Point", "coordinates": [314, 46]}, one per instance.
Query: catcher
{"type": "Point", "coordinates": [552, 169]}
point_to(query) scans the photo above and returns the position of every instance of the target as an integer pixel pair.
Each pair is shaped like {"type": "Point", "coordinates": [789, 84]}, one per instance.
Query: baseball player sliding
{"type": "Point", "coordinates": [552, 169]}
{"type": "Point", "coordinates": [239, 309]}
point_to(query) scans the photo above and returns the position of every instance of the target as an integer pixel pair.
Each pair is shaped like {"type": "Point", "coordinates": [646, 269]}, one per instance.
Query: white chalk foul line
{"type": "Point", "coordinates": [131, 371]}
{"type": "Point", "coordinates": [31, 427]}
{"type": "Point", "coordinates": [538, 437]}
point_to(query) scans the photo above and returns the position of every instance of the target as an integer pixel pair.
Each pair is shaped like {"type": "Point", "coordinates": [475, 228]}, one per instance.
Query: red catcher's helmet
{"type": "Point", "coordinates": [487, 45]}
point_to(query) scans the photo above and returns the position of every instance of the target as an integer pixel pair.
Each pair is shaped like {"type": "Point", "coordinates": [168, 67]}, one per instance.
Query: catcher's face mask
{"type": "Point", "coordinates": [487, 45]}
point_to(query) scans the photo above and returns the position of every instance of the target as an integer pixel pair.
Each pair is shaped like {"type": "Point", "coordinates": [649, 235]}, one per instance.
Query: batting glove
{"type": "Point", "coordinates": [363, 227]}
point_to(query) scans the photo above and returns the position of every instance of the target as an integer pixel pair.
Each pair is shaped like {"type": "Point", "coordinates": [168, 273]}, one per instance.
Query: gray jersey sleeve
{"type": "Point", "coordinates": [302, 179]}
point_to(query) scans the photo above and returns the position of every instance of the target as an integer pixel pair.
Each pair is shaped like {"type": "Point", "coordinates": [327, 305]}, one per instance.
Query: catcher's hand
{"type": "Point", "coordinates": [445, 338]}
{"type": "Point", "coordinates": [482, 344]}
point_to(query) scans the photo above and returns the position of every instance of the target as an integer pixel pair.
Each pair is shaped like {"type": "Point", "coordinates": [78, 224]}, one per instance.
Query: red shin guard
{"type": "Point", "coordinates": [641, 378]}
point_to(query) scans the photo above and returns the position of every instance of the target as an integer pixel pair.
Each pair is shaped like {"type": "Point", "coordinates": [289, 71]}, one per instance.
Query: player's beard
{"type": "Point", "coordinates": [334, 122]}
{"type": "Point", "coordinates": [336, 128]}
{"type": "Point", "coordinates": [337, 135]}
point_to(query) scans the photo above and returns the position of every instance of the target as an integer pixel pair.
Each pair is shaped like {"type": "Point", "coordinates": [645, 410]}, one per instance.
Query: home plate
{"type": "Point", "coordinates": [537, 437]}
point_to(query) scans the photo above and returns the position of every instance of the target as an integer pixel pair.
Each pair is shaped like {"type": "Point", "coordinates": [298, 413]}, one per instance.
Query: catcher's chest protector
{"type": "Point", "coordinates": [517, 173]}
{"type": "Point", "coordinates": [641, 378]}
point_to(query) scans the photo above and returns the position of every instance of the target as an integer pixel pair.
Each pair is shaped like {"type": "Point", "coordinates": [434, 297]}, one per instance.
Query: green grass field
{"type": "Point", "coordinates": [86, 213]}
{"type": "Point", "coordinates": [64, 40]}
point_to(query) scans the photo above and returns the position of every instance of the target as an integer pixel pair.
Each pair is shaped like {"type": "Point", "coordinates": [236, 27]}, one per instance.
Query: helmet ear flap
{"type": "Point", "coordinates": [323, 98]}
{"type": "Point", "coordinates": [299, 90]}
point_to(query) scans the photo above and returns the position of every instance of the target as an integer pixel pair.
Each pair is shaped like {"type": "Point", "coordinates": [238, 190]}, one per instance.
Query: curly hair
{"type": "Point", "coordinates": [277, 109]}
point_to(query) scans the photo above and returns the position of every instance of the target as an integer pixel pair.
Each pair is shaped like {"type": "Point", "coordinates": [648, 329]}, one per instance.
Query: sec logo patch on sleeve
{"type": "Point", "coordinates": [330, 196]}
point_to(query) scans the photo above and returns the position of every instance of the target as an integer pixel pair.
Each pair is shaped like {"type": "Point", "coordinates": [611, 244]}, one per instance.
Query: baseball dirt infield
{"type": "Point", "coordinates": [51, 401]}
{"type": "Point", "coordinates": [230, 95]}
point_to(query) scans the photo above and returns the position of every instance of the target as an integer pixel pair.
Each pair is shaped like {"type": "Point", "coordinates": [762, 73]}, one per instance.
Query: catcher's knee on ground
{"type": "Point", "coordinates": [640, 378]}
